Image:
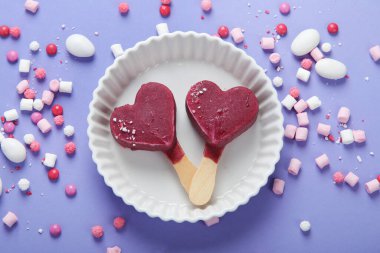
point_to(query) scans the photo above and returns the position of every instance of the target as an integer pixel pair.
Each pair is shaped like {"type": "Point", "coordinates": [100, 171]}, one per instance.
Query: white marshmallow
{"type": "Point", "coordinates": [117, 50]}
{"type": "Point", "coordinates": [162, 28]}
{"type": "Point", "coordinates": [50, 160]}
{"type": "Point", "coordinates": [303, 74]}
{"type": "Point", "coordinates": [314, 102]}
{"type": "Point", "coordinates": [347, 136]}
{"type": "Point", "coordinates": [11, 115]}
{"type": "Point", "coordinates": [288, 102]}
{"type": "Point", "coordinates": [38, 104]}
{"type": "Point", "coordinates": [326, 47]}
{"type": "Point", "coordinates": [277, 81]}
{"type": "Point", "coordinates": [69, 130]}
{"type": "Point", "coordinates": [66, 87]}
{"type": "Point", "coordinates": [26, 104]}
{"type": "Point", "coordinates": [24, 66]}
{"type": "Point", "coordinates": [34, 46]}
{"type": "Point", "coordinates": [23, 184]}
{"type": "Point", "coordinates": [28, 138]}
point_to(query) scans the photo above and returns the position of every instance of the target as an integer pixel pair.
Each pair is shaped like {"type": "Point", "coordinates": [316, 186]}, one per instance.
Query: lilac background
{"type": "Point", "coordinates": [343, 219]}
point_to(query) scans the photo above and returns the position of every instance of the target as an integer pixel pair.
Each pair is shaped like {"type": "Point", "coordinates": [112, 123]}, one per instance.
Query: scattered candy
{"type": "Point", "coordinates": [123, 8]}
{"type": "Point", "coordinates": [44, 126]}
{"type": "Point", "coordinates": [165, 10]}
{"type": "Point", "coordinates": [23, 184]}
{"type": "Point", "coordinates": [344, 115]}
{"type": "Point", "coordinates": [306, 63]}
{"type": "Point", "coordinates": [212, 221]}
{"type": "Point", "coordinates": [13, 150]}
{"type": "Point", "coordinates": [267, 43]}
{"type": "Point", "coordinates": [30, 93]}
{"type": "Point", "coordinates": [338, 177]}
{"type": "Point", "coordinates": [275, 58]}
{"type": "Point", "coordinates": [294, 92]}
{"type": "Point", "coordinates": [57, 109]}
{"type": "Point", "coordinates": [97, 232]}
{"type": "Point", "coordinates": [10, 219]}
{"type": "Point", "coordinates": [305, 41]}
{"type": "Point", "coordinates": [351, 179]}
{"type": "Point", "coordinates": [49, 160]}
{"type": "Point", "coordinates": [34, 46]}
{"type": "Point", "coordinates": [331, 69]}
{"type": "Point", "coordinates": [375, 52]}
{"type": "Point", "coordinates": [332, 28]}
{"type": "Point", "coordinates": [303, 119]}
{"type": "Point", "coordinates": [69, 131]}
{"type": "Point", "coordinates": [66, 87]}
{"type": "Point", "coordinates": [305, 226]}
{"type": "Point", "coordinates": [326, 47]}
{"type": "Point", "coordinates": [359, 136]}
{"type": "Point", "coordinates": [119, 223]}
{"type": "Point", "coordinates": [284, 8]}
{"type": "Point", "coordinates": [70, 190]}
{"type": "Point", "coordinates": [347, 136]}
{"type": "Point", "coordinates": [316, 54]}
{"type": "Point", "coordinates": [53, 174]}
{"type": "Point", "coordinates": [278, 186]}
{"type": "Point", "coordinates": [162, 28]}
{"type": "Point", "coordinates": [31, 6]}
{"type": "Point", "coordinates": [277, 81]}
{"type": "Point", "coordinates": [55, 230]}
{"type": "Point", "coordinates": [11, 115]}
{"type": "Point", "coordinates": [294, 166]}
{"type": "Point", "coordinates": [281, 29]}
{"type": "Point", "coordinates": [300, 106]}
{"type": "Point", "coordinates": [24, 66]}
{"type": "Point", "coordinates": [59, 120]}
{"type": "Point", "coordinates": [40, 73]}
{"type": "Point", "coordinates": [303, 74]}
{"type": "Point", "coordinates": [9, 127]}
{"type": "Point", "coordinates": [15, 32]}
{"type": "Point", "coordinates": [4, 31]}
{"type": "Point", "coordinates": [322, 161]}
{"type": "Point", "coordinates": [301, 134]}
{"type": "Point", "coordinates": [26, 104]}
{"type": "Point", "coordinates": [288, 102]}
{"type": "Point", "coordinates": [38, 104]}
{"type": "Point", "coordinates": [28, 138]}
{"type": "Point", "coordinates": [117, 50]}
{"type": "Point", "coordinates": [372, 186]}
{"type": "Point", "coordinates": [51, 49]}
{"type": "Point", "coordinates": [237, 35]}
{"type": "Point", "coordinates": [223, 31]}
{"type": "Point", "coordinates": [206, 5]}
{"type": "Point", "coordinates": [114, 249]}
{"type": "Point", "coordinates": [22, 86]}
{"type": "Point", "coordinates": [290, 131]}
{"type": "Point", "coordinates": [80, 46]}
{"type": "Point", "coordinates": [36, 117]}
{"type": "Point", "coordinates": [54, 85]}
{"type": "Point", "coordinates": [47, 97]}
{"type": "Point", "coordinates": [35, 146]}
{"type": "Point", "coordinates": [12, 56]}
{"type": "Point", "coordinates": [359, 158]}
{"type": "Point", "coordinates": [323, 129]}
{"type": "Point", "coordinates": [314, 102]}
{"type": "Point", "coordinates": [70, 148]}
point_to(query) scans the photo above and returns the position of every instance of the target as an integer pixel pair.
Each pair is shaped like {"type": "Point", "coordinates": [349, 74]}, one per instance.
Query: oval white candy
{"type": "Point", "coordinates": [330, 69]}
{"type": "Point", "coordinates": [305, 41]}
{"type": "Point", "coordinates": [13, 150]}
{"type": "Point", "coordinates": [80, 46]}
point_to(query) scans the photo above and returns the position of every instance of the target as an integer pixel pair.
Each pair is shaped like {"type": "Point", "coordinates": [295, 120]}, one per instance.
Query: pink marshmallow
{"type": "Point", "coordinates": [323, 129]}
{"type": "Point", "coordinates": [300, 106]}
{"type": "Point", "coordinates": [10, 219]}
{"type": "Point", "coordinates": [294, 166]}
{"type": "Point", "coordinates": [267, 43]}
{"type": "Point", "coordinates": [344, 115]}
{"type": "Point", "coordinates": [47, 97]}
{"type": "Point", "coordinates": [375, 52]}
{"type": "Point", "coordinates": [31, 6]}
{"type": "Point", "coordinates": [114, 249]}
{"type": "Point", "coordinates": [322, 161]}
{"type": "Point", "coordinates": [301, 134]}
{"type": "Point", "coordinates": [212, 221]}
{"type": "Point", "coordinates": [302, 118]}
{"type": "Point", "coordinates": [237, 35]}
{"type": "Point", "coordinates": [278, 186]}
{"type": "Point", "coordinates": [359, 136]}
{"type": "Point", "coordinates": [316, 54]}
{"type": "Point", "coordinates": [290, 131]}
{"type": "Point", "coordinates": [275, 58]}
{"type": "Point", "coordinates": [372, 186]}
{"type": "Point", "coordinates": [44, 126]}
{"type": "Point", "coordinates": [22, 86]}
{"type": "Point", "coordinates": [54, 85]}
{"type": "Point", "coordinates": [351, 179]}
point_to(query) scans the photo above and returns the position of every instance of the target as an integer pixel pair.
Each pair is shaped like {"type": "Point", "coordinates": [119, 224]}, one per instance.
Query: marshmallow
{"type": "Point", "coordinates": [54, 85]}
{"type": "Point", "coordinates": [47, 97]}
{"type": "Point", "coordinates": [26, 104]}
{"type": "Point", "coordinates": [44, 126]}
{"type": "Point", "coordinates": [303, 74]}
{"type": "Point", "coordinates": [351, 179]}
{"type": "Point", "coordinates": [24, 66]}
{"type": "Point", "coordinates": [212, 221]}
{"type": "Point", "coordinates": [49, 160]}
{"type": "Point", "coordinates": [359, 136]}
{"type": "Point", "coordinates": [162, 28]}
{"type": "Point", "coordinates": [267, 43]}
{"type": "Point", "coordinates": [114, 249]}
{"type": "Point", "coordinates": [28, 138]}
{"type": "Point", "coordinates": [314, 102]}
{"type": "Point", "coordinates": [10, 219]}
{"type": "Point", "coordinates": [344, 115]}
{"type": "Point", "coordinates": [277, 81]}
{"type": "Point", "coordinates": [275, 58]}
{"type": "Point", "coordinates": [23, 184]}
{"type": "Point", "coordinates": [300, 106]}
{"type": "Point", "coordinates": [375, 52]}
{"type": "Point", "coordinates": [301, 134]}
{"type": "Point", "coordinates": [294, 166]}
{"type": "Point", "coordinates": [347, 136]}
{"type": "Point", "coordinates": [372, 186]}
{"type": "Point", "coordinates": [288, 102]}
{"type": "Point", "coordinates": [117, 50]}
{"type": "Point", "coordinates": [31, 5]}
{"type": "Point", "coordinates": [322, 161]}
{"type": "Point", "coordinates": [69, 130]}
{"type": "Point", "coordinates": [11, 115]}
{"type": "Point", "coordinates": [66, 87]}
{"type": "Point", "coordinates": [326, 47]}
{"type": "Point", "coordinates": [323, 129]}
{"type": "Point", "coordinates": [302, 118]}
{"type": "Point", "coordinates": [237, 35]}
{"type": "Point", "coordinates": [290, 131]}
{"type": "Point", "coordinates": [38, 104]}
{"type": "Point", "coordinates": [278, 186]}
{"type": "Point", "coordinates": [316, 54]}
{"type": "Point", "coordinates": [22, 86]}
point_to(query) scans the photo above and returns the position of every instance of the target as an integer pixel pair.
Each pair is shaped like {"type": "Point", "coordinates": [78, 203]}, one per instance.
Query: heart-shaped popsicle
{"type": "Point", "coordinates": [150, 124]}
{"type": "Point", "coordinates": [219, 116]}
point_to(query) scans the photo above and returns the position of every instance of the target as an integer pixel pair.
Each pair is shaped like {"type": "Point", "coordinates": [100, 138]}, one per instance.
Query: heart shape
{"type": "Point", "coordinates": [148, 124]}
{"type": "Point", "coordinates": [220, 116]}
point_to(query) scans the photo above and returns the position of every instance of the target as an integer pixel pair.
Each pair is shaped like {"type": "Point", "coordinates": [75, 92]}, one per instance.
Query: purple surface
{"type": "Point", "coordinates": [343, 219]}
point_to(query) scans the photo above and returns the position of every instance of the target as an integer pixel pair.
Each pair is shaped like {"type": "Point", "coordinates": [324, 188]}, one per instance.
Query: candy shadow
{"type": "Point", "coordinates": [9, 229]}
{"type": "Point", "coordinates": [355, 188]}
{"type": "Point", "coordinates": [331, 82]}
{"type": "Point", "coordinates": [82, 59]}
{"type": "Point", "coordinates": [301, 143]}
{"type": "Point", "coordinates": [374, 195]}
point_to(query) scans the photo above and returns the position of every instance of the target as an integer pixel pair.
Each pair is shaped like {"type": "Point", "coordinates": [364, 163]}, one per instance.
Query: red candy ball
{"type": "Point", "coordinates": [281, 29]}
{"type": "Point", "coordinates": [123, 8]}
{"type": "Point", "coordinates": [378, 178]}
{"type": "Point", "coordinates": [51, 49]}
{"type": "Point", "coordinates": [294, 92]}
{"type": "Point", "coordinates": [4, 31]}
{"type": "Point", "coordinates": [15, 32]}
{"type": "Point", "coordinates": [53, 174]}
{"type": "Point", "coordinates": [57, 110]}
{"type": "Point", "coordinates": [223, 31]}
{"type": "Point", "coordinates": [333, 28]}
{"type": "Point", "coordinates": [165, 10]}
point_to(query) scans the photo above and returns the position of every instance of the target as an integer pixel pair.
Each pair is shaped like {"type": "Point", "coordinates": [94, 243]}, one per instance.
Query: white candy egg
{"type": "Point", "coordinates": [330, 69]}
{"type": "Point", "coordinates": [305, 41]}
{"type": "Point", "coordinates": [13, 150]}
{"type": "Point", "coordinates": [80, 46]}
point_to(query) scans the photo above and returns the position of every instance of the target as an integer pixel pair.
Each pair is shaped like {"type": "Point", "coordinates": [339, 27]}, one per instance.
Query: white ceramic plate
{"type": "Point", "coordinates": [145, 179]}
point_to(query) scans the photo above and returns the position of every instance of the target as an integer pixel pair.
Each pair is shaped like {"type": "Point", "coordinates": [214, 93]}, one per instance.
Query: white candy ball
{"type": "Point", "coordinates": [23, 184]}
{"type": "Point", "coordinates": [326, 47]}
{"type": "Point", "coordinates": [277, 81]}
{"type": "Point", "coordinates": [28, 138]}
{"type": "Point", "coordinates": [69, 130]}
{"type": "Point", "coordinates": [305, 226]}
{"type": "Point", "coordinates": [34, 46]}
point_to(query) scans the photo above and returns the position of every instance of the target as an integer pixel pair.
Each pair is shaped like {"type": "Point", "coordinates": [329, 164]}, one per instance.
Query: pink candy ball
{"type": "Point", "coordinates": [9, 127]}
{"type": "Point", "coordinates": [123, 8]}
{"type": "Point", "coordinates": [306, 63]}
{"type": "Point", "coordinates": [12, 56]}
{"type": "Point", "coordinates": [55, 230]}
{"type": "Point", "coordinates": [54, 85]}
{"type": "Point", "coordinates": [338, 177]}
{"type": "Point", "coordinates": [294, 92]}
{"type": "Point", "coordinates": [30, 93]}
{"type": "Point", "coordinates": [70, 190]}
{"type": "Point", "coordinates": [284, 8]}
{"type": "Point", "coordinates": [35, 146]}
{"type": "Point", "coordinates": [206, 5]}
{"type": "Point", "coordinates": [59, 120]}
{"type": "Point", "coordinates": [40, 73]}
{"type": "Point", "coordinates": [97, 232]}
{"type": "Point", "coordinates": [35, 117]}
{"type": "Point", "coordinates": [15, 32]}
{"type": "Point", "coordinates": [70, 148]}
{"type": "Point", "coordinates": [119, 223]}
